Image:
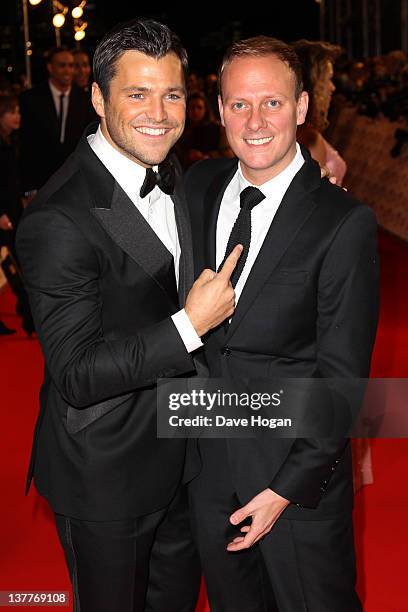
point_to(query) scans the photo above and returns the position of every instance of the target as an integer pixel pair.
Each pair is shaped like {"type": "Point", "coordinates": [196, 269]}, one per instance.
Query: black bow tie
{"type": "Point", "coordinates": [165, 179]}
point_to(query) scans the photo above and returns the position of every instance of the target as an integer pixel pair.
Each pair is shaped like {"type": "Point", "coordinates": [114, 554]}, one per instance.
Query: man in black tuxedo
{"type": "Point", "coordinates": [106, 254]}
{"type": "Point", "coordinates": [54, 115]}
{"type": "Point", "coordinates": [307, 306]}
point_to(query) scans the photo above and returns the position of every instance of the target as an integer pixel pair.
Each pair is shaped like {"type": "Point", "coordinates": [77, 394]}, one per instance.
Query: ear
{"type": "Point", "coordinates": [221, 109]}
{"type": "Point", "coordinates": [302, 105]}
{"type": "Point", "coordinates": [97, 100]}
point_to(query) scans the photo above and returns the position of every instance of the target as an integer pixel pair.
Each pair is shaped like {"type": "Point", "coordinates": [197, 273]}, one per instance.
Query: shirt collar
{"type": "Point", "coordinates": [129, 174]}
{"type": "Point", "coordinates": [56, 92]}
{"type": "Point", "coordinates": [276, 186]}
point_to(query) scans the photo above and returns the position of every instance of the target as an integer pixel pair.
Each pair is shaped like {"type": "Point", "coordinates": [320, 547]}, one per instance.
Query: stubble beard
{"type": "Point", "coordinates": [127, 146]}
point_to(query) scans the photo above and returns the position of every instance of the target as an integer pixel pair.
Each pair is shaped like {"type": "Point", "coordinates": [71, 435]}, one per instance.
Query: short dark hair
{"type": "Point", "coordinates": [51, 53]}
{"type": "Point", "coordinates": [262, 46]}
{"type": "Point", "coordinates": [144, 35]}
{"type": "Point", "coordinates": [79, 52]}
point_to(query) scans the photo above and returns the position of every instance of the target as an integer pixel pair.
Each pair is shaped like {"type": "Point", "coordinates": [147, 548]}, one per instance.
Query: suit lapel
{"type": "Point", "coordinates": [129, 229]}
{"type": "Point", "coordinates": [186, 268]}
{"type": "Point", "coordinates": [124, 223]}
{"type": "Point", "coordinates": [50, 109]}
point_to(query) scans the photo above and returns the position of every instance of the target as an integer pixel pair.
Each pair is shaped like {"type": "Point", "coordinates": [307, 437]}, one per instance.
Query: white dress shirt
{"type": "Point", "coordinates": [158, 210]}
{"type": "Point", "coordinates": [261, 215]}
{"type": "Point", "coordinates": [56, 96]}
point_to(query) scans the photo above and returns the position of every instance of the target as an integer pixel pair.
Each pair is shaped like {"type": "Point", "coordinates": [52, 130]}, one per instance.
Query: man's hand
{"type": "Point", "coordinates": [212, 299]}
{"type": "Point", "coordinates": [264, 509]}
{"type": "Point", "coordinates": [5, 223]}
{"type": "Point", "coordinates": [325, 173]}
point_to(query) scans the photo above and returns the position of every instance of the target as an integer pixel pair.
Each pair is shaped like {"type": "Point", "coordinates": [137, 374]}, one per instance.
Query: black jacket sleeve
{"type": "Point", "coordinates": [61, 272]}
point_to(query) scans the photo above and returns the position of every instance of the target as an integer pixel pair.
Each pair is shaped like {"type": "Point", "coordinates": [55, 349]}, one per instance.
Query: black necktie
{"type": "Point", "coordinates": [241, 232]}
{"type": "Point", "coordinates": [61, 116]}
{"type": "Point", "coordinates": [164, 179]}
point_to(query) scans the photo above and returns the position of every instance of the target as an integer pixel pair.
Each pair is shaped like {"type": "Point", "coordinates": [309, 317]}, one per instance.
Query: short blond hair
{"type": "Point", "coordinates": [262, 46]}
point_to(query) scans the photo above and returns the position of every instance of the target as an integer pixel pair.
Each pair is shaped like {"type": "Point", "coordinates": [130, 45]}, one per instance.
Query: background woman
{"type": "Point", "coordinates": [317, 66]}
{"type": "Point", "coordinates": [10, 200]}
{"type": "Point", "coordinates": [203, 137]}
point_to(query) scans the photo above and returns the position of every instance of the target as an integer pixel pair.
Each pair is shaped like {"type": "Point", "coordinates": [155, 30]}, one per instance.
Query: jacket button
{"type": "Point", "coordinates": [225, 351]}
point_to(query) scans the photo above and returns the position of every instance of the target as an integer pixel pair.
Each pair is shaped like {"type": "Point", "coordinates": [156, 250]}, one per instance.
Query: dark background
{"type": "Point", "coordinates": [206, 28]}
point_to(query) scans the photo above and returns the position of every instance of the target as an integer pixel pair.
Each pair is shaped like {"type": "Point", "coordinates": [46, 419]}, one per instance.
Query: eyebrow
{"type": "Point", "coordinates": [244, 98]}
{"type": "Point", "coordinates": [144, 89]}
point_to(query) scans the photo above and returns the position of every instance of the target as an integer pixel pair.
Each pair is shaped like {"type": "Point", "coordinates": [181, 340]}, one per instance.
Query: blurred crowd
{"type": "Point", "coordinates": [378, 85]}
{"type": "Point", "coordinates": [40, 127]}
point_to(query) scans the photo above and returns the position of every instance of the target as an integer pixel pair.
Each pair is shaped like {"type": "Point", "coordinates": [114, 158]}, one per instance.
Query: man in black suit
{"type": "Point", "coordinates": [54, 115]}
{"type": "Point", "coordinates": [106, 254]}
{"type": "Point", "coordinates": [307, 306]}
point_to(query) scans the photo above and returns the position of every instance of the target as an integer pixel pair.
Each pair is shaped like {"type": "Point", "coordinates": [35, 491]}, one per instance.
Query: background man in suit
{"type": "Point", "coordinates": [53, 116]}
{"type": "Point", "coordinates": [106, 254]}
{"type": "Point", "coordinates": [307, 302]}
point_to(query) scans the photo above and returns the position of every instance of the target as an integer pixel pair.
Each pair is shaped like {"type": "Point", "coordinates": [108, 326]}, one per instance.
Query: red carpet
{"type": "Point", "coordinates": [30, 557]}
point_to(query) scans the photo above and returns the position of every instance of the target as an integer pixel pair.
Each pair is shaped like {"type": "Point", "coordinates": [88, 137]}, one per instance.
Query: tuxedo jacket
{"type": "Point", "coordinates": [41, 151]}
{"type": "Point", "coordinates": [308, 309]}
{"type": "Point", "coordinates": [102, 291]}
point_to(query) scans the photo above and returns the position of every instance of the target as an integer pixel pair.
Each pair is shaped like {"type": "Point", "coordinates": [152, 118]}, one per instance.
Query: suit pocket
{"type": "Point", "coordinates": [288, 277]}
{"type": "Point", "coordinates": [79, 419]}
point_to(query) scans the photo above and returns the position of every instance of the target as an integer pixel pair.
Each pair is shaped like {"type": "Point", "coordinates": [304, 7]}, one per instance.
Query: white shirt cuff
{"type": "Point", "coordinates": [186, 330]}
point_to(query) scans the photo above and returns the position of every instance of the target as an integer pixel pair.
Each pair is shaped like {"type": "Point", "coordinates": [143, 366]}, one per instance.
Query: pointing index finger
{"type": "Point", "coordinates": [231, 262]}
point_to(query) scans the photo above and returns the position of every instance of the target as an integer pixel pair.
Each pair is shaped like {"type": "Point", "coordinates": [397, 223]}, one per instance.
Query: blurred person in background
{"type": "Point", "coordinates": [194, 83]}
{"type": "Point", "coordinates": [203, 137]}
{"type": "Point", "coordinates": [10, 204]}
{"type": "Point", "coordinates": [82, 69]}
{"type": "Point", "coordinates": [317, 60]}
{"type": "Point", "coordinates": [211, 92]}
{"type": "Point", "coordinates": [6, 225]}
{"type": "Point", "coordinates": [395, 105]}
{"type": "Point", "coordinates": [54, 115]}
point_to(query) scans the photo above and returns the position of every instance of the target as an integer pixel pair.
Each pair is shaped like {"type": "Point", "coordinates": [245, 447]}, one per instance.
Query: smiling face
{"type": "Point", "coordinates": [145, 112]}
{"type": "Point", "coordinates": [61, 70]}
{"type": "Point", "coordinates": [260, 114]}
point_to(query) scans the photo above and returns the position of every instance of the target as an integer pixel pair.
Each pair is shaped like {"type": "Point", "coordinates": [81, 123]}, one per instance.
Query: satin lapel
{"type": "Point", "coordinates": [296, 207]}
{"type": "Point", "coordinates": [128, 228]}
{"type": "Point", "coordinates": [212, 203]}
{"type": "Point", "coordinates": [186, 268]}
{"type": "Point", "coordinates": [122, 220]}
